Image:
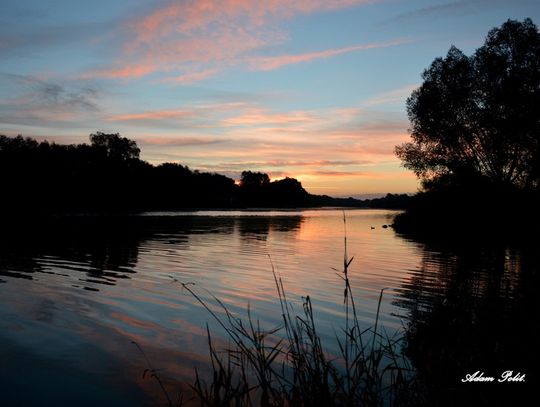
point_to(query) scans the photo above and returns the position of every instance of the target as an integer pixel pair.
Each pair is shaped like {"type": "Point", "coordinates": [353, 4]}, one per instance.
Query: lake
{"type": "Point", "coordinates": [76, 292]}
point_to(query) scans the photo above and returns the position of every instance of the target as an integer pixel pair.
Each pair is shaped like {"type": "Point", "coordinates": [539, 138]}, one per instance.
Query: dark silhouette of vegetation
{"type": "Point", "coordinates": [107, 175]}
{"type": "Point", "coordinates": [254, 180]}
{"type": "Point", "coordinates": [389, 201]}
{"type": "Point", "coordinates": [44, 177]}
{"type": "Point", "coordinates": [472, 306]}
{"type": "Point", "coordinates": [479, 115]}
{"type": "Point", "coordinates": [114, 146]}
{"type": "Point", "coordinates": [257, 191]}
{"type": "Point", "coordinates": [475, 127]}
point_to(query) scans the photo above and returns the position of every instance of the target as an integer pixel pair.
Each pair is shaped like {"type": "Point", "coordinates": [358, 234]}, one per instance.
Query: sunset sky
{"type": "Point", "coordinates": [311, 89]}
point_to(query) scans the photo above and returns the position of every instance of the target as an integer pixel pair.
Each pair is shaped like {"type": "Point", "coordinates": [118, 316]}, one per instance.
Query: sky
{"type": "Point", "coordinates": [310, 89]}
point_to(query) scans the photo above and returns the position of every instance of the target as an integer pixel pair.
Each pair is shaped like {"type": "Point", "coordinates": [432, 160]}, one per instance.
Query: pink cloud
{"type": "Point", "coordinates": [275, 62]}
{"type": "Point", "coordinates": [132, 71]}
{"type": "Point", "coordinates": [190, 16]}
{"type": "Point", "coordinates": [191, 77]}
{"type": "Point", "coordinates": [199, 38]}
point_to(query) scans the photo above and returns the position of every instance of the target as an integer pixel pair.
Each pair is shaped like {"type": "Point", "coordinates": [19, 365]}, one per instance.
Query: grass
{"type": "Point", "coordinates": [288, 365]}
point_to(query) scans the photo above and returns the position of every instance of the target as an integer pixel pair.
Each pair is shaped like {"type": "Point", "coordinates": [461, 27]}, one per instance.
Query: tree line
{"type": "Point", "coordinates": [108, 175]}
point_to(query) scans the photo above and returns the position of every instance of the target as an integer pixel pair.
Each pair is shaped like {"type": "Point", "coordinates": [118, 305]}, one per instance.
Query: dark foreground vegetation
{"type": "Point", "coordinates": [475, 127]}
{"type": "Point", "coordinates": [107, 175]}
{"type": "Point", "coordinates": [471, 210]}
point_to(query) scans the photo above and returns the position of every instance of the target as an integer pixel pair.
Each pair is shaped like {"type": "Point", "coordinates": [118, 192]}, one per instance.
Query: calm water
{"type": "Point", "coordinates": [74, 295]}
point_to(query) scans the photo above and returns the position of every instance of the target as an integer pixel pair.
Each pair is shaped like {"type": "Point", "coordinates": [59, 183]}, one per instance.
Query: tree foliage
{"type": "Point", "coordinates": [115, 146]}
{"type": "Point", "coordinates": [252, 179]}
{"type": "Point", "coordinates": [479, 115]}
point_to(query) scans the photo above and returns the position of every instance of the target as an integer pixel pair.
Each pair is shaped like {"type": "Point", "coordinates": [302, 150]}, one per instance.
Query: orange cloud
{"type": "Point", "coordinates": [200, 116]}
{"type": "Point", "coordinates": [275, 62]}
{"type": "Point", "coordinates": [259, 116]}
{"type": "Point", "coordinates": [179, 141]}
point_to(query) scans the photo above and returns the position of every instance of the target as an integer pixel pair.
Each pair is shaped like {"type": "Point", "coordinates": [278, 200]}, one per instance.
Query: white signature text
{"type": "Point", "coordinates": [506, 376]}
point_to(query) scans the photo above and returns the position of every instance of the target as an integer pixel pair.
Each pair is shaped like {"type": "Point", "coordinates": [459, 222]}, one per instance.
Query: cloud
{"type": "Point", "coordinates": [152, 115]}
{"type": "Point", "coordinates": [191, 77]}
{"type": "Point", "coordinates": [275, 62]}
{"type": "Point", "coordinates": [393, 96]}
{"type": "Point", "coordinates": [193, 40]}
{"type": "Point", "coordinates": [54, 93]}
{"type": "Point", "coordinates": [36, 101]}
{"type": "Point", "coordinates": [197, 116]}
{"type": "Point", "coordinates": [196, 16]}
{"type": "Point", "coordinates": [458, 8]}
{"type": "Point", "coordinates": [134, 71]}
{"type": "Point", "coordinates": [180, 141]}
{"type": "Point", "coordinates": [337, 173]}
{"type": "Point", "coordinates": [241, 165]}
{"type": "Point", "coordinates": [36, 39]}
{"type": "Point", "coordinates": [437, 9]}
{"type": "Point", "coordinates": [259, 116]}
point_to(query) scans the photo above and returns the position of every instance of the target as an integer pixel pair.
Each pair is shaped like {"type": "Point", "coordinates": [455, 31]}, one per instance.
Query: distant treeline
{"type": "Point", "coordinates": [108, 175]}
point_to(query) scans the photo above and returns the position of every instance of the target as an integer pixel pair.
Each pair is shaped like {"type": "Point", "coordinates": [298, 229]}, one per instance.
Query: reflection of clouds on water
{"type": "Point", "coordinates": [135, 263]}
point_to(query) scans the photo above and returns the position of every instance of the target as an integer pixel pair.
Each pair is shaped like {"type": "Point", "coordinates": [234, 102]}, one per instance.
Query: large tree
{"type": "Point", "coordinates": [479, 115]}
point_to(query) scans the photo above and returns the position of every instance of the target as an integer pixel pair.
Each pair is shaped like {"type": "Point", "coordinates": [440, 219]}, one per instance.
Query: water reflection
{"type": "Point", "coordinates": [473, 307]}
{"type": "Point", "coordinates": [78, 290]}
{"type": "Point", "coordinates": [102, 251]}
{"type": "Point", "coordinates": [259, 227]}
{"type": "Point", "coordinates": [89, 286]}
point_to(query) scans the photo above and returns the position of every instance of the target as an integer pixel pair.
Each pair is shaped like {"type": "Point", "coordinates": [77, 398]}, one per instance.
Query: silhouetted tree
{"type": "Point", "coordinates": [480, 115]}
{"type": "Point", "coordinates": [288, 192]}
{"type": "Point", "coordinates": [16, 144]}
{"type": "Point", "coordinates": [115, 146]}
{"type": "Point", "coordinates": [254, 179]}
